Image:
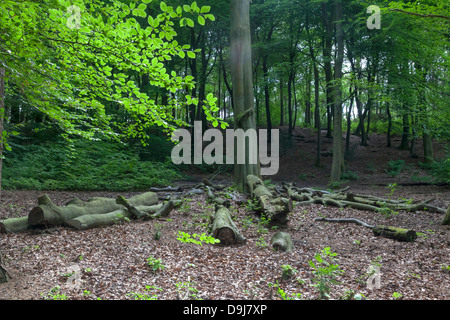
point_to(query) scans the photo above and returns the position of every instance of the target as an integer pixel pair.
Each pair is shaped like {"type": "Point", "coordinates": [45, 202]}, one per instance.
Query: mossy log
{"type": "Point", "coordinates": [47, 213]}
{"type": "Point", "coordinates": [90, 221]}
{"type": "Point", "coordinates": [224, 228]}
{"type": "Point", "coordinates": [395, 233]}
{"type": "Point", "coordinates": [399, 234]}
{"type": "Point", "coordinates": [276, 209]}
{"type": "Point", "coordinates": [446, 221]}
{"type": "Point", "coordinates": [14, 225]}
{"type": "Point", "coordinates": [282, 241]}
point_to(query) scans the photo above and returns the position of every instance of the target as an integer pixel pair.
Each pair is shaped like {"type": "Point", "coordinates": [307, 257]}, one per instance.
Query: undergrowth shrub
{"type": "Point", "coordinates": [90, 166]}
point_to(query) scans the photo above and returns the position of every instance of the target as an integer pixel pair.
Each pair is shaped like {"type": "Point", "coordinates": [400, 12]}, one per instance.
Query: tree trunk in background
{"type": "Point", "coordinates": [338, 152]}
{"type": "Point", "coordinates": [389, 129]}
{"type": "Point", "coordinates": [241, 75]}
{"type": "Point", "coordinates": [281, 103]}
{"type": "Point", "coordinates": [427, 145]}
{"type": "Point", "coordinates": [267, 98]}
{"type": "Point", "coordinates": [404, 145]}
{"type": "Point", "coordinates": [2, 116]}
{"type": "Point", "coordinates": [412, 149]}
{"type": "Point", "coordinates": [308, 99]}
{"type": "Point", "coordinates": [349, 125]}
{"type": "Point", "coordinates": [327, 49]}
{"type": "Point", "coordinates": [316, 93]}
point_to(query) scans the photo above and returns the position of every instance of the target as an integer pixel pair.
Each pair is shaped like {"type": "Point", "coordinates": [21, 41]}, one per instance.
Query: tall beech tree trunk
{"type": "Point", "coordinates": [327, 50]}
{"type": "Point", "coordinates": [337, 166]}
{"type": "Point", "coordinates": [241, 75]}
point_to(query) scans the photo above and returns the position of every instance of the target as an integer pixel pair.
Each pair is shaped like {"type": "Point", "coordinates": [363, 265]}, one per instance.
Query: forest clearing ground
{"type": "Point", "coordinates": [113, 263]}
{"type": "Point", "coordinates": [112, 260]}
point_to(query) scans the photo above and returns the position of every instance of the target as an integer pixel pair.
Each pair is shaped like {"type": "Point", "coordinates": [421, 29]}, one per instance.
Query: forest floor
{"type": "Point", "coordinates": [112, 261]}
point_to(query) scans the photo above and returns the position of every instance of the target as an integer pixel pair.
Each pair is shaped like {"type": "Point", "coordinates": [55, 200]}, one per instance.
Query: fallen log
{"type": "Point", "coordinates": [215, 199]}
{"type": "Point", "coordinates": [47, 213]}
{"type": "Point", "coordinates": [90, 221]}
{"type": "Point", "coordinates": [399, 234]}
{"type": "Point", "coordinates": [224, 228]}
{"type": "Point", "coordinates": [14, 225]}
{"type": "Point", "coordinates": [305, 196]}
{"type": "Point", "coordinates": [395, 233]}
{"type": "Point", "coordinates": [276, 209]}
{"type": "Point", "coordinates": [446, 221]}
{"type": "Point", "coordinates": [4, 275]}
{"type": "Point", "coordinates": [282, 241]}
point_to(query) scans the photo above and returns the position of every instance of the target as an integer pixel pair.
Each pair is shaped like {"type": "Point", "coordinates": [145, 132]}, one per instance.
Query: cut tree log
{"type": "Point", "coordinates": [90, 221]}
{"type": "Point", "coordinates": [276, 209]}
{"type": "Point", "coordinates": [396, 233]}
{"type": "Point", "coordinates": [446, 221]}
{"type": "Point", "coordinates": [47, 213]}
{"type": "Point", "coordinates": [399, 234]}
{"type": "Point", "coordinates": [224, 228]}
{"type": "Point", "coordinates": [4, 275]}
{"type": "Point", "coordinates": [136, 212]}
{"type": "Point", "coordinates": [14, 225]}
{"type": "Point", "coordinates": [282, 241]}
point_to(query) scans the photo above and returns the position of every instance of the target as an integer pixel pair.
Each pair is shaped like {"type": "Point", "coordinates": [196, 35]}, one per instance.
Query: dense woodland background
{"type": "Point", "coordinates": [63, 132]}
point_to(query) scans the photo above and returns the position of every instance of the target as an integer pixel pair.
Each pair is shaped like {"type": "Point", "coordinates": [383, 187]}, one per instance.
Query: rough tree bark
{"type": "Point", "coordinates": [276, 209]}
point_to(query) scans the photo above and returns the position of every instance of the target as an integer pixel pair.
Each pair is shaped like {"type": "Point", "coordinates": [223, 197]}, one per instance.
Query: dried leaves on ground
{"type": "Point", "coordinates": [125, 261]}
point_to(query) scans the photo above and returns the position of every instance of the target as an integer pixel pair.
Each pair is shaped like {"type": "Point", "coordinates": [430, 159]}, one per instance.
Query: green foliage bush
{"type": "Point", "coordinates": [440, 169]}
{"type": "Point", "coordinates": [89, 166]}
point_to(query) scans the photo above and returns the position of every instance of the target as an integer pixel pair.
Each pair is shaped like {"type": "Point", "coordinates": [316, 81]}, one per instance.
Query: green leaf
{"type": "Point", "coordinates": [205, 9]}
{"type": "Point", "coordinates": [201, 20]}
{"type": "Point", "coordinates": [190, 22]}
{"type": "Point", "coordinates": [191, 54]}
